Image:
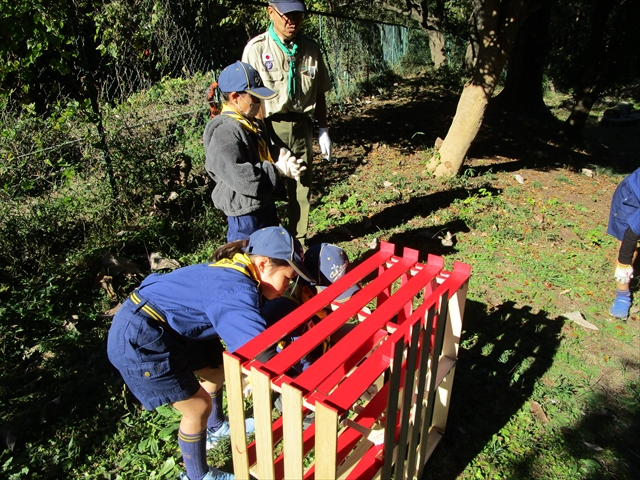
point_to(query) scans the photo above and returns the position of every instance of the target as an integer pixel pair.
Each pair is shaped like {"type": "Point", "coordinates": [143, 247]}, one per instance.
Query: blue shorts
{"type": "Point", "coordinates": [242, 226]}
{"type": "Point", "coordinates": [155, 362]}
{"type": "Point", "coordinates": [625, 211]}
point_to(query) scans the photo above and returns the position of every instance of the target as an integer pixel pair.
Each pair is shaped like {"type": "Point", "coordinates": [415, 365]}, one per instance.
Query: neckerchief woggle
{"type": "Point", "coordinates": [290, 53]}
{"type": "Point", "coordinates": [251, 127]}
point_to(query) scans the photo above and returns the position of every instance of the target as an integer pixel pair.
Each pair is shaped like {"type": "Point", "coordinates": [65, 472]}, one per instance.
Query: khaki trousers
{"type": "Point", "coordinates": [296, 136]}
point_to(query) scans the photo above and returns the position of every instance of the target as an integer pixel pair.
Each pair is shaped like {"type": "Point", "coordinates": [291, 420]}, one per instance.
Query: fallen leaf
{"type": "Point", "coordinates": [158, 262]}
{"type": "Point", "coordinates": [387, 184]}
{"type": "Point", "coordinates": [110, 313]}
{"type": "Point", "coordinates": [538, 412]}
{"type": "Point", "coordinates": [447, 240]}
{"type": "Point", "coordinates": [565, 291]}
{"type": "Point", "coordinates": [577, 317]}
{"type": "Point", "coordinates": [106, 283]}
{"type": "Point", "coordinates": [373, 244]}
{"type": "Point", "coordinates": [519, 179]}
{"type": "Point", "coordinates": [593, 447]}
{"type": "Point", "coordinates": [70, 326]}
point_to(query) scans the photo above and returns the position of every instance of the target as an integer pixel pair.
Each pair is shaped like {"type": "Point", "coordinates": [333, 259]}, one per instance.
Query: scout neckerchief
{"type": "Point", "coordinates": [240, 262]}
{"type": "Point", "coordinates": [290, 53]}
{"type": "Point", "coordinates": [251, 127]}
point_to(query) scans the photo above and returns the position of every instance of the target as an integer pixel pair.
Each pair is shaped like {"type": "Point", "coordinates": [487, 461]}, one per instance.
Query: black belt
{"type": "Point", "coordinates": [287, 117]}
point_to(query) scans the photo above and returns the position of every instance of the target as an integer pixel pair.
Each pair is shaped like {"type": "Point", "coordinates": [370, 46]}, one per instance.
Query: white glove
{"type": "Point", "coordinates": [325, 143]}
{"type": "Point", "coordinates": [290, 166]}
{"type": "Point", "coordinates": [296, 167]}
{"type": "Point", "coordinates": [624, 273]}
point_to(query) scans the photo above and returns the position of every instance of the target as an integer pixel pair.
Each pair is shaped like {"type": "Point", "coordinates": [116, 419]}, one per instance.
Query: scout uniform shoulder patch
{"type": "Point", "coordinates": [267, 61]}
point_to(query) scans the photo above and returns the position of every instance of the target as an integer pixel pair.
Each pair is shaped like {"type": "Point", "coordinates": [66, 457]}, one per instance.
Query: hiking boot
{"type": "Point", "coordinates": [225, 432]}
{"type": "Point", "coordinates": [620, 308]}
{"type": "Point", "coordinates": [214, 474]}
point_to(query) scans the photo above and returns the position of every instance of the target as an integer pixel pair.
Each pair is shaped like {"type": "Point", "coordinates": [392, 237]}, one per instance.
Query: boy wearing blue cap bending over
{"type": "Point", "coordinates": [240, 157]}
{"type": "Point", "coordinates": [165, 340]}
{"type": "Point", "coordinates": [326, 263]}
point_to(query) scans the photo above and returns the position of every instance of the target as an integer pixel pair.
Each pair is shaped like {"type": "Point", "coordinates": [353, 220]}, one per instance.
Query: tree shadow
{"type": "Point", "coordinates": [504, 351]}
{"type": "Point", "coordinates": [398, 214]}
{"type": "Point", "coordinates": [606, 441]}
{"type": "Point", "coordinates": [529, 141]}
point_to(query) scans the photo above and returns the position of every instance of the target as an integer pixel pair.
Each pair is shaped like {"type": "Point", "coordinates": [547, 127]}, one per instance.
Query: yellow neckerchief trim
{"type": "Point", "coordinates": [240, 262]}
{"type": "Point", "coordinates": [251, 127]}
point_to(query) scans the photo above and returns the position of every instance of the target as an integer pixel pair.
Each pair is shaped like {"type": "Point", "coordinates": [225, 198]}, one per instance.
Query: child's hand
{"type": "Point", "coordinates": [296, 167]}
{"type": "Point", "coordinates": [623, 273]}
{"type": "Point", "coordinates": [290, 166]}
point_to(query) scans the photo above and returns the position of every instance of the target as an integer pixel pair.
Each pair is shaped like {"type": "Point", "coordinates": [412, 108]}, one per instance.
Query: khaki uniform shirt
{"type": "Point", "coordinates": [312, 78]}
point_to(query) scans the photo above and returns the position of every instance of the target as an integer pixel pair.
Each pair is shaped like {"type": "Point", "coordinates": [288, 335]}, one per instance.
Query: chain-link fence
{"type": "Point", "coordinates": [120, 134]}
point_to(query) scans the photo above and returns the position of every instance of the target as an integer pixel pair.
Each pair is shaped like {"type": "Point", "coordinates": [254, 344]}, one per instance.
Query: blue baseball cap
{"type": "Point", "coordinates": [276, 242]}
{"type": "Point", "coordinates": [327, 263]}
{"type": "Point", "coordinates": [242, 77]}
{"type": "Point", "coordinates": [286, 6]}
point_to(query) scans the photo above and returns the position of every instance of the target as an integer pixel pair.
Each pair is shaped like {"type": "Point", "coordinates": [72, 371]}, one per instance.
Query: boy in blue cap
{"type": "Point", "coordinates": [168, 332]}
{"type": "Point", "coordinates": [326, 263]}
{"type": "Point", "coordinates": [241, 158]}
{"type": "Point", "coordinates": [624, 224]}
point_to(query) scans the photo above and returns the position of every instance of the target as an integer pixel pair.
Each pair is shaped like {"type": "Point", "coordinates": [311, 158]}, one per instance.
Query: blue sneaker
{"type": "Point", "coordinates": [225, 432]}
{"type": "Point", "coordinates": [620, 308]}
{"type": "Point", "coordinates": [214, 474]}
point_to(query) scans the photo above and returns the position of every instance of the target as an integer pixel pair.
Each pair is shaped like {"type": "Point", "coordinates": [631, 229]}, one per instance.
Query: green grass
{"type": "Point", "coordinates": [534, 257]}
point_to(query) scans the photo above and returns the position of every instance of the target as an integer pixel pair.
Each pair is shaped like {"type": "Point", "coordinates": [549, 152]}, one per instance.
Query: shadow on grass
{"type": "Point", "coordinates": [503, 353]}
{"type": "Point", "coordinates": [397, 215]}
{"type": "Point", "coordinates": [606, 442]}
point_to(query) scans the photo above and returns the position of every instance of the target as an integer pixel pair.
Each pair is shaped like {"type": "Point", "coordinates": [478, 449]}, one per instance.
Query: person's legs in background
{"type": "Point", "coordinates": [296, 136]}
{"type": "Point", "coordinates": [242, 226]}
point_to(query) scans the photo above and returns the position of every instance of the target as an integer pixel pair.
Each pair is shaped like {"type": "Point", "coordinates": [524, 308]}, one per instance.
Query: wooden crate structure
{"type": "Point", "coordinates": [408, 320]}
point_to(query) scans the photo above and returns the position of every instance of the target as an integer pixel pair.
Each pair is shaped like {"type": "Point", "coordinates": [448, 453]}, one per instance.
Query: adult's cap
{"type": "Point", "coordinates": [276, 242]}
{"type": "Point", "coordinates": [242, 77]}
{"type": "Point", "coordinates": [287, 6]}
{"type": "Point", "coordinates": [327, 263]}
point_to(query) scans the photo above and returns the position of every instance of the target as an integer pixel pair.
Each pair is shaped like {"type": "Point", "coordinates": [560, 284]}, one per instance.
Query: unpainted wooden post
{"type": "Point", "coordinates": [235, 402]}
{"type": "Point", "coordinates": [261, 386]}
{"type": "Point", "coordinates": [292, 431]}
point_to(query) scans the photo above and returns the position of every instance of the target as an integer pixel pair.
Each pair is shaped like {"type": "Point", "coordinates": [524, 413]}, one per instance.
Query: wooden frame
{"type": "Point", "coordinates": [407, 346]}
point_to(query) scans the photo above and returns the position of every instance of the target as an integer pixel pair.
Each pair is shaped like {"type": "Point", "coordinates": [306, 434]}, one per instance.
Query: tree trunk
{"type": "Point", "coordinates": [436, 47]}
{"type": "Point", "coordinates": [464, 128]}
{"type": "Point", "coordinates": [523, 91]}
{"type": "Point", "coordinates": [598, 62]}
{"type": "Point", "coordinates": [500, 22]}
